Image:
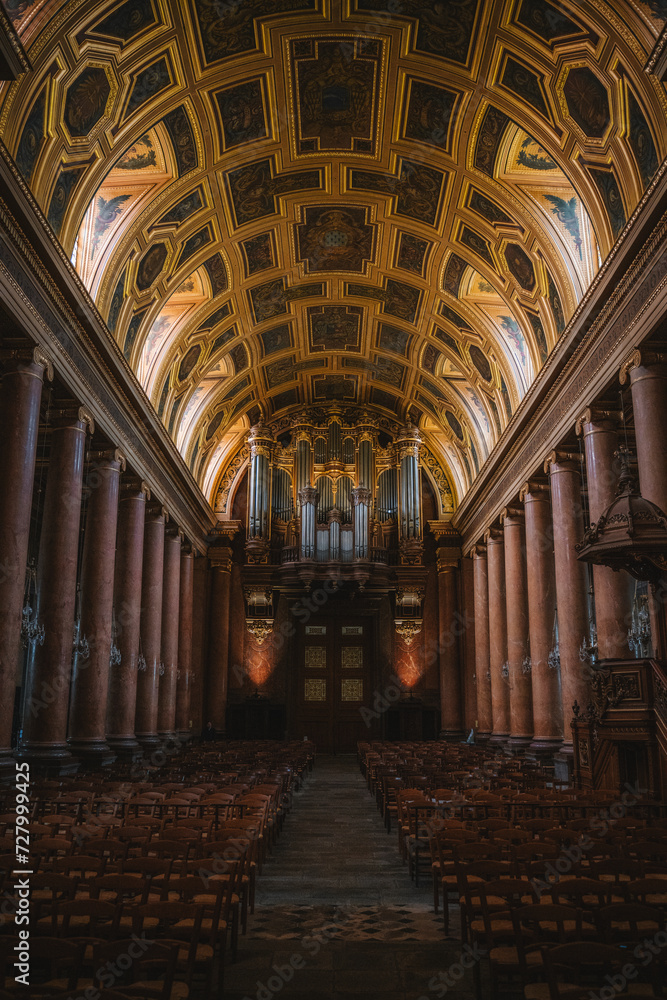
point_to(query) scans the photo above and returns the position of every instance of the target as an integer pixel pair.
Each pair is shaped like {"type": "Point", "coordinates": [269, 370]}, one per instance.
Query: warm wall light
{"type": "Point", "coordinates": [408, 671]}
{"type": "Point", "coordinates": [260, 668]}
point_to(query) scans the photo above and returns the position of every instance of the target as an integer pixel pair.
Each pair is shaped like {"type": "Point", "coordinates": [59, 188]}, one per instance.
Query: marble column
{"type": "Point", "coordinates": [613, 589]}
{"type": "Point", "coordinates": [151, 627]}
{"type": "Point", "coordinates": [484, 723]}
{"type": "Point", "coordinates": [648, 383]}
{"type": "Point", "coordinates": [122, 700]}
{"type": "Point", "coordinates": [218, 668]}
{"type": "Point", "coordinates": [47, 684]}
{"type": "Point", "coordinates": [171, 584]}
{"type": "Point", "coordinates": [20, 398]}
{"type": "Point", "coordinates": [571, 583]}
{"type": "Point", "coordinates": [184, 672]}
{"type": "Point", "coordinates": [90, 674]}
{"type": "Point", "coordinates": [498, 636]}
{"type": "Point", "coordinates": [449, 648]}
{"type": "Point", "coordinates": [518, 660]}
{"type": "Point", "coordinates": [467, 643]}
{"type": "Point", "coordinates": [541, 592]}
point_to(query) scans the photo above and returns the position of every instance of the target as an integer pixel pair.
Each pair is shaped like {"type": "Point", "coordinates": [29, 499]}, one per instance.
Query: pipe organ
{"type": "Point", "coordinates": [334, 487]}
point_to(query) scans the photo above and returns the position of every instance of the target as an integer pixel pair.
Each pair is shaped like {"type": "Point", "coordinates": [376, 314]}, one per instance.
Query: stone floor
{"type": "Point", "coordinates": [337, 914]}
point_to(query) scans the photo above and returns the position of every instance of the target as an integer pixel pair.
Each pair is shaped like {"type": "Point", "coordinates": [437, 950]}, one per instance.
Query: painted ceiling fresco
{"type": "Point", "coordinates": [394, 204]}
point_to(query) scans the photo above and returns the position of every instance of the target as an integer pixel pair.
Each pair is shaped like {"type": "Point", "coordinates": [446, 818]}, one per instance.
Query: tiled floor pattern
{"type": "Point", "coordinates": [335, 901]}
{"type": "Point", "coordinates": [350, 923]}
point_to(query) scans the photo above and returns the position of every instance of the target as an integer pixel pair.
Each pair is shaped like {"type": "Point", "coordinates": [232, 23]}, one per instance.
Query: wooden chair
{"type": "Point", "coordinates": [579, 964]}
{"type": "Point", "coordinates": [151, 975]}
{"type": "Point", "coordinates": [628, 923]}
{"type": "Point", "coordinates": [178, 924]}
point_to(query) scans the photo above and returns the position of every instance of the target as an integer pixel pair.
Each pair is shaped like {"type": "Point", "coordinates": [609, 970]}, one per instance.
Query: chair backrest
{"type": "Point", "coordinates": [100, 916]}
{"type": "Point", "coordinates": [585, 963]}
{"type": "Point", "coordinates": [579, 888]}
{"type": "Point", "coordinates": [155, 962]}
{"type": "Point", "coordinates": [538, 920]}
{"type": "Point", "coordinates": [620, 922]}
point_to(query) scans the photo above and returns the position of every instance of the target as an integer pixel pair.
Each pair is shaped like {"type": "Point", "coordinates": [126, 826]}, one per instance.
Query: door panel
{"type": "Point", "coordinates": [333, 682]}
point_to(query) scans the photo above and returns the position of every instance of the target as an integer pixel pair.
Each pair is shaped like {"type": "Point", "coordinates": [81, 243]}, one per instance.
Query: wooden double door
{"type": "Point", "coordinates": [334, 681]}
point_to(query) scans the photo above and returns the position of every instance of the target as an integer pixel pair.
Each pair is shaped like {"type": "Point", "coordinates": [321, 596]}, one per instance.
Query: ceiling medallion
{"type": "Point", "coordinates": [259, 628]}
{"type": "Point", "coordinates": [408, 629]}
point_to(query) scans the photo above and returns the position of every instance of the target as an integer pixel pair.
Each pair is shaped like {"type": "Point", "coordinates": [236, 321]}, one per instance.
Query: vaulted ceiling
{"type": "Point", "coordinates": [392, 204]}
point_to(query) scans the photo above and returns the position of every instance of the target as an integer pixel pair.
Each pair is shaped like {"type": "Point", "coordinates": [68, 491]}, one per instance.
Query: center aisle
{"type": "Point", "coordinates": [336, 849]}
{"type": "Point", "coordinates": [335, 893]}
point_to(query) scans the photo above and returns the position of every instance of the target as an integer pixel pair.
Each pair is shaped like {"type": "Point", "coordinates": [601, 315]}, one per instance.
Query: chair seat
{"type": "Point", "coordinates": [505, 927]}
{"type": "Point", "coordinates": [204, 954]}
{"type": "Point", "coordinates": [148, 987]}
{"type": "Point", "coordinates": [508, 955]}
{"type": "Point", "coordinates": [541, 991]}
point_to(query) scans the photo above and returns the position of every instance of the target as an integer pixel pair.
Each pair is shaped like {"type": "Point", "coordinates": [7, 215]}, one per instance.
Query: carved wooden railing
{"type": "Point", "coordinates": [628, 707]}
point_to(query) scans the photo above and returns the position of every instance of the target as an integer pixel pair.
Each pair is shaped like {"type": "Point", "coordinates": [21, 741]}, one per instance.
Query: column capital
{"type": "Point", "coordinates": [308, 494]}
{"type": "Point", "coordinates": [509, 513]}
{"type": "Point", "coordinates": [443, 529]}
{"type": "Point", "coordinates": [155, 511]}
{"type": "Point", "coordinates": [40, 358]}
{"type": "Point", "coordinates": [220, 557]}
{"type": "Point", "coordinates": [492, 535]}
{"type": "Point", "coordinates": [531, 488]}
{"type": "Point", "coordinates": [566, 459]}
{"type": "Point", "coordinates": [226, 530]}
{"type": "Point", "coordinates": [447, 559]}
{"type": "Point", "coordinates": [132, 486]}
{"type": "Point", "coordinates": [29, 355]}
{"type": "Point", "coordinates": [640, 358]}
{"type": "Point", "coordinates": [361, 495]}
{"type": "Point", "coordinates": [86, 417]}
{"type": "Point", "coordinates": [68, 413]}
{"type": "Point", "coordinates": [110, 455]}
{"type": "Point", "coordinates": [261, 441]}
{"type": "Point", "coordinates": [596, 414]}
{"type": "Point", "coordinates": [409, 442]}
{"type": "Point", "coordinates": [174, 532]}
{"type": "Point", "coordinates": [479, 550]}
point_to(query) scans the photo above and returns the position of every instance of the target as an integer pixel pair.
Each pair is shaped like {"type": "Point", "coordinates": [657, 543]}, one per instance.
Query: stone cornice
{"type": "Point", "coordinates": [624, 305]}
{"type": "Point", "coordinates": [657, 61]}
{"type": "Point", "coordinates": [46, 299]}
{"type": "Point", "coordinates": [13, 59]}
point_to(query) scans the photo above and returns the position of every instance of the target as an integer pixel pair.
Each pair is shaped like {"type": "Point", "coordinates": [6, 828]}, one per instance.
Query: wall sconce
{"type": "Point", "coordinates": [259, 614]}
